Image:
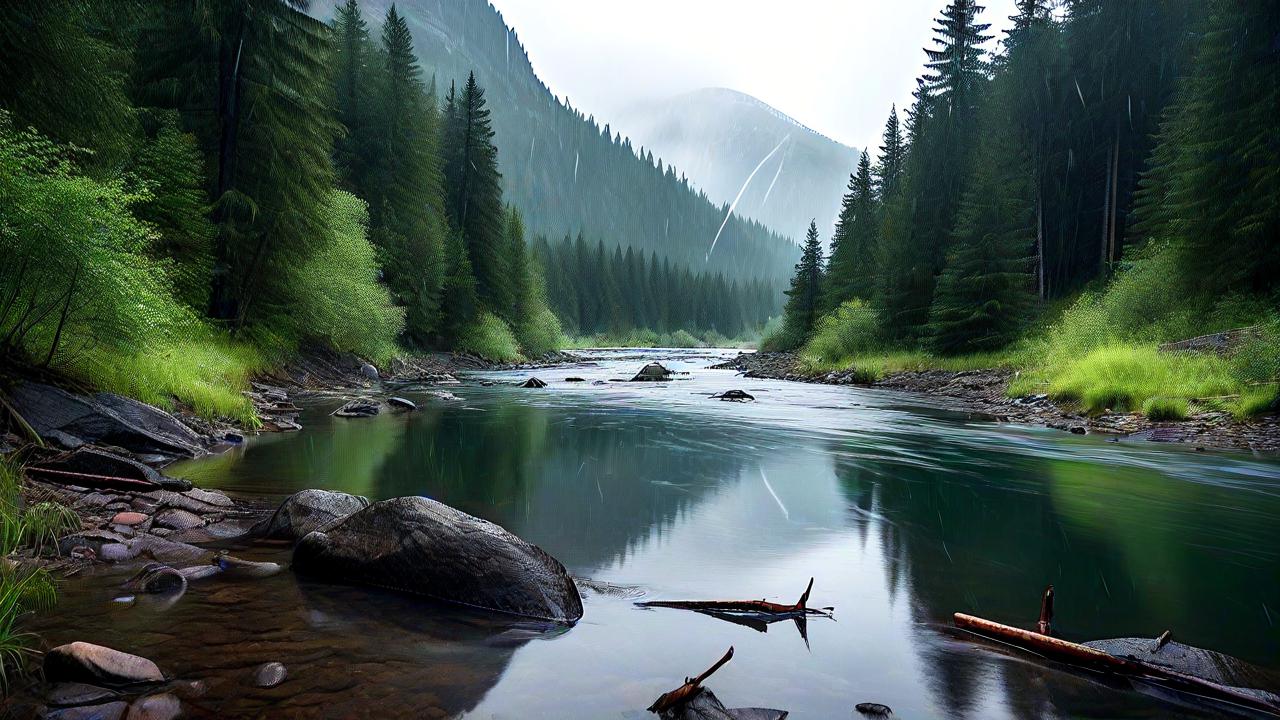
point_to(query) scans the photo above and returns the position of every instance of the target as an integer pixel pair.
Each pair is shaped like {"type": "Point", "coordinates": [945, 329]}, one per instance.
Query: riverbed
{"type": "Point", "coordinates": [902, 509]}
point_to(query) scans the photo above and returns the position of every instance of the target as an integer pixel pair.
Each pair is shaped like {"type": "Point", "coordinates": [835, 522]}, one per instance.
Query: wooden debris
{"type": "Point", "coordinates": [1045, 625]}
{"type": "Point", "coordinates": [689, 689]}
{"type": "Point", "coordinates": [90, 480]}
{"type": "Point", "coordinates": [1092, 659]}
{"type": "Point", "coordinates": [756, 607]}
{"type": "Point", "coordinates": [1161, 641]}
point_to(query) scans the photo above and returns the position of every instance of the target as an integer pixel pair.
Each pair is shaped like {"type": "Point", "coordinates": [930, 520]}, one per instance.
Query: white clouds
{"type": "Point", "coordinates": [835, 65]}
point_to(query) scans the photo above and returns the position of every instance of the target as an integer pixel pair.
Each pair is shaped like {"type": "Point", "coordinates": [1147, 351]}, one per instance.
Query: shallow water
{"type": "Point", "coordinates": [902, 510]}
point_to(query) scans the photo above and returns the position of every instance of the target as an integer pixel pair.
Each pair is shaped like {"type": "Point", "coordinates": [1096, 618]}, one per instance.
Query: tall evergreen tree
{"type": "Point", "coordinates": [893, 155]}
{"type": "Point", "coordinates": [354, 82]}
{"type": "Point", "coordinates": [805, 296]}
{"type": "Point", "coordinates": [475, 191]}
{"type": "Point", "coordinates": [850, 269]}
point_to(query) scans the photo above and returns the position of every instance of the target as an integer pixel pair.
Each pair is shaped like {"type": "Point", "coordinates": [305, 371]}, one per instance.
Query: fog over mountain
{"type": "Point", "coordinates": [730, 143]}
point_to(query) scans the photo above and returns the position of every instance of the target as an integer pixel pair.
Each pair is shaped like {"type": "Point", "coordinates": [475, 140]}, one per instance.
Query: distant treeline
{"type": "Point", "coordinates": [595, 290]}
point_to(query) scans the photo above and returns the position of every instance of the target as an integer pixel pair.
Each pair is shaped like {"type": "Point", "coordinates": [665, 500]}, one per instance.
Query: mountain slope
{"type": "Point", "coordinates": [718, 137]}
{"type": "Point", "coordinates": [568, 174]}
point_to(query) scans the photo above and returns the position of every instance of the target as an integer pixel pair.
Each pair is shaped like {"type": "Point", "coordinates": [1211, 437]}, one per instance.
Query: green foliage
{"type": "Point", "coordinates": [853, 329]}
{"type": "Point", "coordinates": [339, 300]}
{"type": "Point", "coordinates": [1124, 377]}
{"type": "Point", "coordinates": [1258, 401]}
{"type": "Point", "coordinates": [804, 297]}
{"type": "Point", "coordinates": [1164, 408]}
{"type": "Point", "coordinates": [490, 338]}
{"type": "Point", "coordinates": [850, 269]}
{"type": "Point", "coordinates": [23, 589]}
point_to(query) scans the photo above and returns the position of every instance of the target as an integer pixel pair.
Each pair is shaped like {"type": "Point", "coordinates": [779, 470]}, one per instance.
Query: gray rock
{"type": "Point", "coordinates": [177, 519]}
{"type": "Point", "coordinates": [156, 548]}
{"type": "Point", "coordinates": [706, 706]}
{"type": "Point", "coordinates": [200, 572]}
{"type": "Point", "coordinates": [104, 418]}
{"type": "Point", "coordinates": [420, 546]}
{"type": "Point", "coordinates": [95, 664]}
{"type": "Point", "coordinates": [873, 709]}
{"type": "Point", "coordinates": [209, 497]}
{"type": "Point", "coordinates": [235, 567]}
{"type": "Point", "coordinates": [164, 706]}
{"type": "Point", "coordinates": [107, 711]}
{"type": "Point", "coordinates": [359, 408]}
{"type": "Point", "coordinates": [92, 539]}
{"type": "Point", "coordinates": [156, 578]}
{"type": "Point", "coordinates": [74, 693]}
{"type": "Point", "coordinates": [402, 403]}
{"type": "Point", "coordinates": [306, 511]}
{"type": "Point", "coordinates": [369, 371]}
{"type": "Point", "coordinates": [533, 382]}
{"type": "Point", "coordinates": [269, 675]}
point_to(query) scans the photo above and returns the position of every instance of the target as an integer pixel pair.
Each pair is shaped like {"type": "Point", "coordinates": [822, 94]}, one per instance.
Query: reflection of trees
{"type": "Point", "coordinates": [1130, 551]}
{"type": "Point", "coordinates": [582, 484]}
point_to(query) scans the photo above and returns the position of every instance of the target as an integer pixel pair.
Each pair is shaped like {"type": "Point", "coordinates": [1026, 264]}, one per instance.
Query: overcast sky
{"type": "Point", "coordinates": [834, 65]}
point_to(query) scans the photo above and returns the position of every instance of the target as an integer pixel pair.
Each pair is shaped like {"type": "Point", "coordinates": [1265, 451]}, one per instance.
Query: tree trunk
{"type": "Point", "coordinates": [1113, 249]}
{"type": "Point", "coordinates": [1040, 288]}
{"type": "Point", "coordinates": [1105, 245]}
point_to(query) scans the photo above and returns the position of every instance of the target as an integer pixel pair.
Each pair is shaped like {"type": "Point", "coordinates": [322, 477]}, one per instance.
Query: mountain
{"type": "Point", "coordinates": [718, 137]}
{"type": "Point", "coordinates": [564, 171]}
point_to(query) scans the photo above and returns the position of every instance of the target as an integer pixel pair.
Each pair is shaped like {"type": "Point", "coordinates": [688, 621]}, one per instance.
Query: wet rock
{"type": "Point", "coordinates": [209, 497]}
{"type": "Point", "coordinates": [369, 371]}
{"type": "Point", "coordinates": [196, 501]}
{"type": "Point", "coordinates": [92, 539]}
{"type": "Point", "coordinates": [128, 518]}
{"type": "Point", "coordinates": [200, 572]}
{"type": "Point", "coordinates": [420, 546]}
{"type": "Point", "coordinates": [402, 403]}
{"type": "Point", "coordinates": [177, 519]}
{"type": "Point", "coordinates": [95, 664]}
{"type": "Point", "coordinates": [706, 706]}
{"type": "Point", "coordinates": [306, 511]}
{"type": "Point", "coordinates": [164, 706]}
{"type": "Point", "coordinates": [106, 419]}
{"type": "Point", "coordinates": [269, 675]}
{"type": "Point", "coordinates": [215, 531]}
{"type": "Point", "coordinates": [734, 396]}
{"type": "Point", "coordinates": [156, 578]}
{"type": "Point", "coordinates": [653, 372]}
{"type": "Point", "coordinates": [235, 567]}
{"type": "Point", "coordinates": [74, 693]}
{"type": "Point", "coordinates": [873, 709]}
{"type": "Point", "coordinates": [156, 548]}
{"type": "Point", "coordinates": [99, 468]}
{"type": "Point", "coordinates": [533, 382]}
{"type": "Point", "coordinates": [358, 408]}
{"type": "Point", "coordinates": [575, 379]}
{"type": "Point", "coordinates": [107, 711]}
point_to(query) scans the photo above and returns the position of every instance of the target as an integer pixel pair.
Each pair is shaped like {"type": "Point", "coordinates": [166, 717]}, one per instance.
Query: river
{"type": "Point", "coordinates": [901, 509]}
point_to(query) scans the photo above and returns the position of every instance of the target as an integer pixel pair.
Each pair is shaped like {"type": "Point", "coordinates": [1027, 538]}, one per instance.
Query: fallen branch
{"type": "Point", "coordinates": [690, 688]}
{"type": "Point", "coordinates": [760, 607]}
{"type": "Point", "coordinates": [1093, 659]}
{"type": "Point", "coordinates": [93, 480]}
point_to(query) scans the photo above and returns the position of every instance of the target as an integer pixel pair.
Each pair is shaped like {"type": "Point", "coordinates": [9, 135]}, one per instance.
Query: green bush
{"type": "Point", "coordinates": [490, 338]}
{"type": "Point", "coordinates": [852, 329]}
{"type": "Point", "coordinates": [1165, 408]}
{"type": "Point", "coordinates": [541, 332]}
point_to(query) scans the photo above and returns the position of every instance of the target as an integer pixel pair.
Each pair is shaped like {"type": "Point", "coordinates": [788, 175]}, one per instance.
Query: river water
{"type": "Point", "coordinates": [902, 510]}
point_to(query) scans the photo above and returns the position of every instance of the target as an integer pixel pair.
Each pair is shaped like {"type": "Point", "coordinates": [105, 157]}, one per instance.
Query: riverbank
{"type": "Point", "coordinates": [986, 391]}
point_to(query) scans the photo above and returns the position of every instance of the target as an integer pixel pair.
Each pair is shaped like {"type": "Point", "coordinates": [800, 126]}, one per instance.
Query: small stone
{"type": "Point", "coordinates": [161, 532]}
{"type": "Point", "coordinates": [129, 518]}
{"type": "Point", "coordinates": [74, 693]}
{"type": "Point", "coordinates": [118, 505]}
{"type": "Point", "coordinates": [115, 552]}
{"type": "Point", "coordinates": [178, 519]}
{"type": "Point", "coordinates": [269, 675]}
{"type": "Point", "coordinates": [124, 530]}
{"type": "Point", "coordinates": [164, 706]}
{"type": "Point", "coordinates": [369, 371]}
{"type": "Point", "coordinates": [85, 662]}
{"type": "Point", "coordinates": [403, 403]}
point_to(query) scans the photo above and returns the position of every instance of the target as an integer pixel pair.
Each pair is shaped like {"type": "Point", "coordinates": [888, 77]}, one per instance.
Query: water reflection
{"type": "Point", "coordinates": [903, 510]}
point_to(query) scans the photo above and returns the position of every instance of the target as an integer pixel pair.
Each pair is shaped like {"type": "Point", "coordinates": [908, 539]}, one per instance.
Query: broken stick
{"type": "Point", "coordinates": [761, 607]}
{"type": "Point", "coordinates": [690, 688]}
{"type": "Point", "coordinates": [1045, 625]}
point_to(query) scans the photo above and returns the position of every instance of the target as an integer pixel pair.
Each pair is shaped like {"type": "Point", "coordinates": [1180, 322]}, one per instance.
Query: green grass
{"type": "Point", "coordinates": [1165, 408]}
{"type": "Point", "coordinates": [23, 590]}
{"type": "Point", "coordinates": [1258, 400]}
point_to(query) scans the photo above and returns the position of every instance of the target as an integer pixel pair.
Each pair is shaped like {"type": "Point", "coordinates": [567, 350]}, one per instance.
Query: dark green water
{"type": "Point", "coordinates": [903, 511]}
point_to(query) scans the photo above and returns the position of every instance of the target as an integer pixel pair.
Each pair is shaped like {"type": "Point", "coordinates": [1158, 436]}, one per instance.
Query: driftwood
{"type": "Point", "coordinates": [1045, 625]}
{"type": "Point", "coordinates": [689, 689]}
{"type": "Point", "coordinates": [1089, 658]}
{"type": "Point", "coordinates": [90, 480]}
{"type": "Point", "coordinates": [747, 607]}
{"type": "Point", "coordinates": [1161, 641]}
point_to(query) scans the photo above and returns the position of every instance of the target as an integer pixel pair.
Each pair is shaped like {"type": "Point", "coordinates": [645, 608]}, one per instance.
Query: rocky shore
{"type": "Point", "coordinates": [985, 392]}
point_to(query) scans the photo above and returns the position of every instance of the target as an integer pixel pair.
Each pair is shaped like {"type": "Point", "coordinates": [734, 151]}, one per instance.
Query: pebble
{"type": "Point", "coordinates": [129, 518]}
{"type": "Point", "coordinates": [269, 675]}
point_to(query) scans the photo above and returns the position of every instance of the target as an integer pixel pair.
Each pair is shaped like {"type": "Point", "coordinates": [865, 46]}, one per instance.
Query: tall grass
{"type": "Point", "coordinates": [23, 589]}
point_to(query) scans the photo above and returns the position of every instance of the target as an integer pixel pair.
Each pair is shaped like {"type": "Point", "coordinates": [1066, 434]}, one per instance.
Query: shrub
{"type": "Point", "coordinates": [541, 333]}
{"type": "Point", "coordinates": [1165, 408]}
{"type": "Point", "coordinates": [683, 339]}
{"type": "Point", "coordinates": [850, 330]}
{"type": "Point", "coordinates": [490, 338]}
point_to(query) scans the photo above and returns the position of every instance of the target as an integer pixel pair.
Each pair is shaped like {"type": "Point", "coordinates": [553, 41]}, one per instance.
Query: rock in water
{"type": "Point", "coordinates": [269, 675]}
{"type": "Point", "coordinates": [873, 709]}
{"type": "Point", "coordinates": [359, 408]}
{"type": "Point", "coordinates": [369, 371]}
{"type": "Point", "coordinates": [652, 372]}
{"type": "Point", "coordinates": [306, 511]}
{"type": "Point", "coordinates": [107, 711]}
{"type": "Point", "coordinates": [706, 706]}
{"type": "Point", "coordinates": [73, 693]}
{"type": "Point", "coordinates": [84, 662]}
{"type": "Point", "coordinates": [157, 578]}
{"type": "Point", "coordinates": [402, 403]}
{"type": "Point", "coordinates": [424, 547]}
{"type": "Point", "coordinates": [164, 706]}
{"type": "Point", "coordinates": [533, 382]}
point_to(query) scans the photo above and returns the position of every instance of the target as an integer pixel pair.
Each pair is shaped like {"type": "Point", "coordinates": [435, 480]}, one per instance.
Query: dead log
{"type": "Point", "coordinates": [690, 688]}
{"type": "Point", "coordinates": [1089, 658]}
{"type": "Point", "coordinates": [757, 607]}
{"type": "Point", "coordinates": [90, 480]}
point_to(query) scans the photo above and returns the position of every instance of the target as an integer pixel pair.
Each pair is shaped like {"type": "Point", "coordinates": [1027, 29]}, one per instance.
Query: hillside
{"type": "Point", "coordinates": [564, 171]}
{"type": "Point", "coordinates": [719, 136]}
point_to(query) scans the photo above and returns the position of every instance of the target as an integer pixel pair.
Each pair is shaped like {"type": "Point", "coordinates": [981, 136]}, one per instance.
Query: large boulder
{"type": "Point", "coordinates": [98, 665]}
{"type": "Point", "coordinates": [307, 511]}
{"type": "Point", "coordinates": [105, 418]}
{"type": "Point", "coordinates": [424, 547]}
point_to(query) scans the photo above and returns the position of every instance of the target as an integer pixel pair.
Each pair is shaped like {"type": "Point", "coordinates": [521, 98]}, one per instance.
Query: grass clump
{"type": "Point", "coordinates": [1124, 377]}
{"type": "Point", "coordinates": [1165, 408]}
{"type": "Point", "coordinates": [1259, 400]}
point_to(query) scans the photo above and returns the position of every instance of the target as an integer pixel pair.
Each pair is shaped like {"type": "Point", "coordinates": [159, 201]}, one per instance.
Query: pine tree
{"type": "Point", "coordinates": [354, 81]}
{"type": "Point", "coordinates": [460, 304]}
{"type": "Point", "coordinates": [519, 271]}
{"type": "Point", "coordinates": [893, 154]}
{"type": "Point", "coordinates": [475, 191]}
{"type": "Point", "coordinates": [804, 297]}
{"type": "Point", "coordinates": [850, 269]}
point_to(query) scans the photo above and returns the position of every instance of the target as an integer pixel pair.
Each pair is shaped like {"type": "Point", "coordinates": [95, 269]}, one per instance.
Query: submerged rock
{"type": "Point", "coordinates": [95, 664]}
{"type": "Point", "coordinates": [306, 511]}
{"type": "Point", "coordinates": [164, 706]}
{"type": "Point", "coordinates": [652, 372]}
{"type": "Point", "coordinates": [420, 546]}
{"type": "Point", "coordinates": [235, 567]}
{"type": "Point", "coordinates": [358, 408]}
{"type": "Point", "coordinates": [156, 578]}
{"type": "Point", "coordinates": [269, 675]}
{"type": "Point", "coordinates": [706, 706]}
{"type": "Point", "coordinates": [734, 396]}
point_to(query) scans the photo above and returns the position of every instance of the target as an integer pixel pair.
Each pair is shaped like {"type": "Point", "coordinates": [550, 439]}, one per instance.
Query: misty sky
{"type": "Point", "coordinates": [834, 65]}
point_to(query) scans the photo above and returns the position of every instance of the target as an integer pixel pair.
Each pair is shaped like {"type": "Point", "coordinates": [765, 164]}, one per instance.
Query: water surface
{"type": "Point", "coordinates": [904, 511]}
